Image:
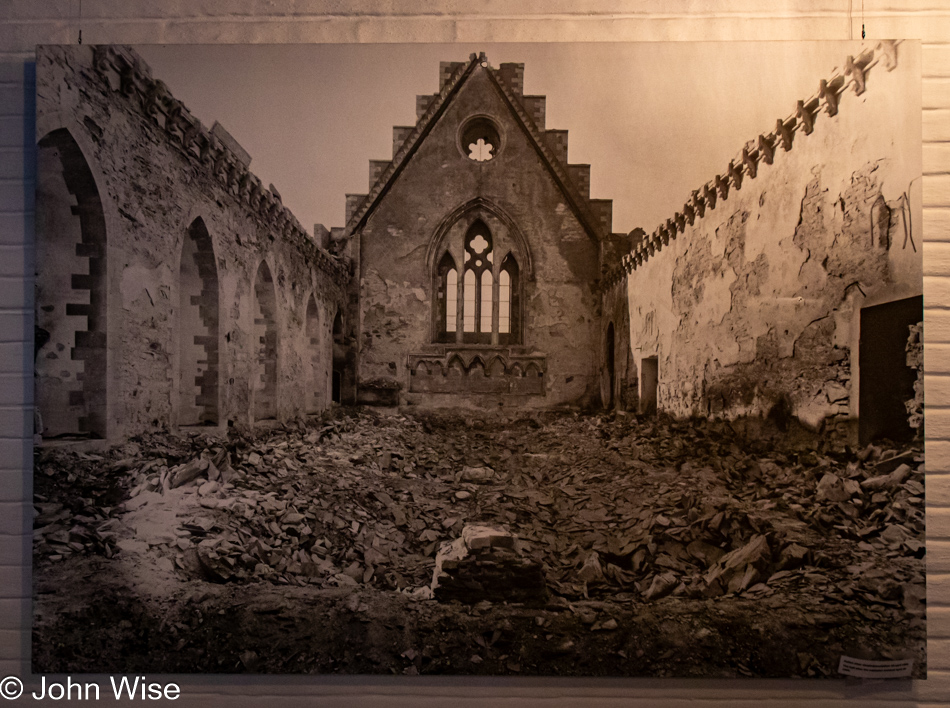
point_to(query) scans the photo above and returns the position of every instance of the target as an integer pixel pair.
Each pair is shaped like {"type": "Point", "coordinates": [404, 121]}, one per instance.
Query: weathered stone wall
{"type": "Point", "coordinates": [439, 193]}
{"type": "Point", "coordinates": [164, 270]}
{"type": "Point", "coordinates": [750, 299]}
{"type": "Point", "coordinates": [619, 382]}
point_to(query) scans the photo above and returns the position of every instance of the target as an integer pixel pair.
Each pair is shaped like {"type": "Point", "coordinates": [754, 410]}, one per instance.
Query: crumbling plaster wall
{"type": "Point", "coordinates": [560, 305]}
{"type": "Point", "coordinates": [152, 191]}
{"type": "Point", "coordinates": [755, 308]}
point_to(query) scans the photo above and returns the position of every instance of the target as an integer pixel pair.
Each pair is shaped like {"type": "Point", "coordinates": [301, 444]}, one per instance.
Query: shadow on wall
{"type": "Point", "coordinates": [887, 382]}
{"type": "Point", "coordinates": [649, 381]}
{"type": "Point", "coordinates": [71, 293]}
{"type": "Point", "coordinates": [198, 329]}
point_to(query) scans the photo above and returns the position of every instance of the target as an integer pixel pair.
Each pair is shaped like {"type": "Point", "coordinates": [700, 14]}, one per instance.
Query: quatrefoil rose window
{"type": "Point", "coordinates": [480, 140]}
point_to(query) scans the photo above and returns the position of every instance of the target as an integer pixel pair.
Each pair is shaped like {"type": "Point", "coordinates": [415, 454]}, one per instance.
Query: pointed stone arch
{"type": "Point", "coordinates": [448, 306]}
{"type": "Point", "coordinates": [496, 368]}
{"type": "Point", "coordinates": [488, 281]}
{"type": "Point", "coordinates": [198, 317]}
{"type": "Point", "coordinates": [71, 291]}
{"type": "Point", "coordinates": [455, 367]}
{"type": "Point", "coordinates": [266, 340]}
{"type": "Point", "coordinates": [476, 367]}
{"type": "Point", "coordinates": [509, 302]}
{"type": "Point", "coordinates": [485, 210]}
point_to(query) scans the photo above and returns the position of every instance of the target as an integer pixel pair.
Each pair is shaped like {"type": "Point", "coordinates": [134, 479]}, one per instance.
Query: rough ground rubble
{"type": "Point", "coordinates": [662, 544]}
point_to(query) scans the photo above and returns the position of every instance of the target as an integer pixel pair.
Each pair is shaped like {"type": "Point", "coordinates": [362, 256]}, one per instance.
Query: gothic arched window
{"type": "Point", "coordinates": [480, 305]}
{"type": "Point", "coordinates": [509, 302]}
{"type": "Point", "coordinates": [448, 284]}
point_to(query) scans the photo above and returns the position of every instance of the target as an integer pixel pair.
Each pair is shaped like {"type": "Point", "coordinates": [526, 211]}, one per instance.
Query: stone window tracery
{"type": "Point", "coordinates": [479, 139]}
{"type": "Point", "coordinates": [447, 296]}
{"type": "Point", "coordinates": [480, 305]}
{"type": "Point", "coordinates": [509, 302]}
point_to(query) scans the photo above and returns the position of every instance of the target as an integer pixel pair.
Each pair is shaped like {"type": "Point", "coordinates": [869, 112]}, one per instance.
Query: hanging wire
{"type": "Point", "coordinates": [80, 21]}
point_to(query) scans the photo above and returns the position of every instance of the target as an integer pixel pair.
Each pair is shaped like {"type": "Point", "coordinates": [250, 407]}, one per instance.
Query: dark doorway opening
{"type": "Point", "coordinates": [887, 383]}
{"type": "Point", "coordinates": [198, 329]}
{"type": "Point", "coordinates": [71, 292]}
{"type": "Point", "coordinates": [649, 379]}
{"type": "Point", "coordinates": [337, 386]}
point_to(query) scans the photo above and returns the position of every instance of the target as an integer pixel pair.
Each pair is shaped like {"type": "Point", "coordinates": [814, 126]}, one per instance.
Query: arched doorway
{"type": "Point", "coordinates": [198, 329]}
{"type": "Point", "coordinates": [71, 292]}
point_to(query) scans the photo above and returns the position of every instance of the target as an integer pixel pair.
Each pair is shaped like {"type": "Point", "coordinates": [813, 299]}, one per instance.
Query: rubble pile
{"type": "Point", "coordinates": [486, 563]}
{"type": "Point", "coordinates": [915, 361]}
{"type": "Point", "coordinates": [85, 488]}
{"type": "Point", "coordinates": [640, 509]}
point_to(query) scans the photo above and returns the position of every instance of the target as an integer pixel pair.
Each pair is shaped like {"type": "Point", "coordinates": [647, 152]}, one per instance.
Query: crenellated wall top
{"type": "Point", "coordinates": [124, 71]}
{"type": "Point", "coordinates": [760, 151]}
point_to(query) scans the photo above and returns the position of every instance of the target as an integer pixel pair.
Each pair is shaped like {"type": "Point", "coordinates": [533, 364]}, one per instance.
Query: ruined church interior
{"type": "Point", "coordinates": [474, 430]}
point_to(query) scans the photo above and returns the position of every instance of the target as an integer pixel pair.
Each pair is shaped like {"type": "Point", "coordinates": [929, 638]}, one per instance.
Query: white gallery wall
{"type": "Point", "coordinates": [25, 23]}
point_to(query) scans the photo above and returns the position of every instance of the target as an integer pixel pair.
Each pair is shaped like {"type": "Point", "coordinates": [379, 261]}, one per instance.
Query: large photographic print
{"type": "Point", "coordinates": [609, 364]}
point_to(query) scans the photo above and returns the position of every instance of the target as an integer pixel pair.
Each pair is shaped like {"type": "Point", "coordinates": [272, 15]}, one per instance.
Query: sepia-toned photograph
{"type": "Point", "coordinates": [577, 359]}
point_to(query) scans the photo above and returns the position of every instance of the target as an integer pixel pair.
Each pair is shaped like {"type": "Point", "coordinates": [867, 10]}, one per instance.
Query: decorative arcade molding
{"type": "Point", "coordinates": [477, 371]}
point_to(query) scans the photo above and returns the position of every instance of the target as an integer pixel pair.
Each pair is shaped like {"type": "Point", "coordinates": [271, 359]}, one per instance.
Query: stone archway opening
{"type": "Point", "coordinates": [198, 329]}
{"type": "Point", "coordinates": [71, 293]}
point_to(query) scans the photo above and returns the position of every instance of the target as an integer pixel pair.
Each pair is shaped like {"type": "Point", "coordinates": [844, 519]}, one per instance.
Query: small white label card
{"type": "Point", "coordinates": [864, 668]}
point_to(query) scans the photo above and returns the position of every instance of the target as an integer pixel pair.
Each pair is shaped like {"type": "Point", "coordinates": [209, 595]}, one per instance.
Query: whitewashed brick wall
{"type": "Point", "coordinates": [24, 23]}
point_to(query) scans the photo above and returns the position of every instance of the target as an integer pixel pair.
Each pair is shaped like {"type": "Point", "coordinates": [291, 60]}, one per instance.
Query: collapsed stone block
{"type": "Point", "coordinates": [742, 567]}
{"type": "Point", "coordinates": [486, 563]}
{"type": "Point", "coordinates": [832, 488]}
{"type": "Point", "coordinates": [477, 475]}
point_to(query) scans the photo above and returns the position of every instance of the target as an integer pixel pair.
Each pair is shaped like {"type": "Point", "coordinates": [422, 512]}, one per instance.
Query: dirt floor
{"type": "Point", "coordinates": [664, 549]}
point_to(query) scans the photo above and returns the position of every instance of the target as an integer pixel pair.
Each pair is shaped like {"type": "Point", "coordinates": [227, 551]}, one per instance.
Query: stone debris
{"type": "Point", "coordinates": [915, 360]}
{"type": "Point", "coordinates": [647, 509]}
{"type": "Point", "coordinates": [738, 569]}
{"type": "Point", "coordinates": [832, 488]}
{"type": "Point", "coordinates": [478, 475]}
{"type": "Point", "coordinates": [591, 571]}
{"type": "Point", "coordinates": [486, 563]}
{"type": "Point", "coordinates": [888, 481]}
